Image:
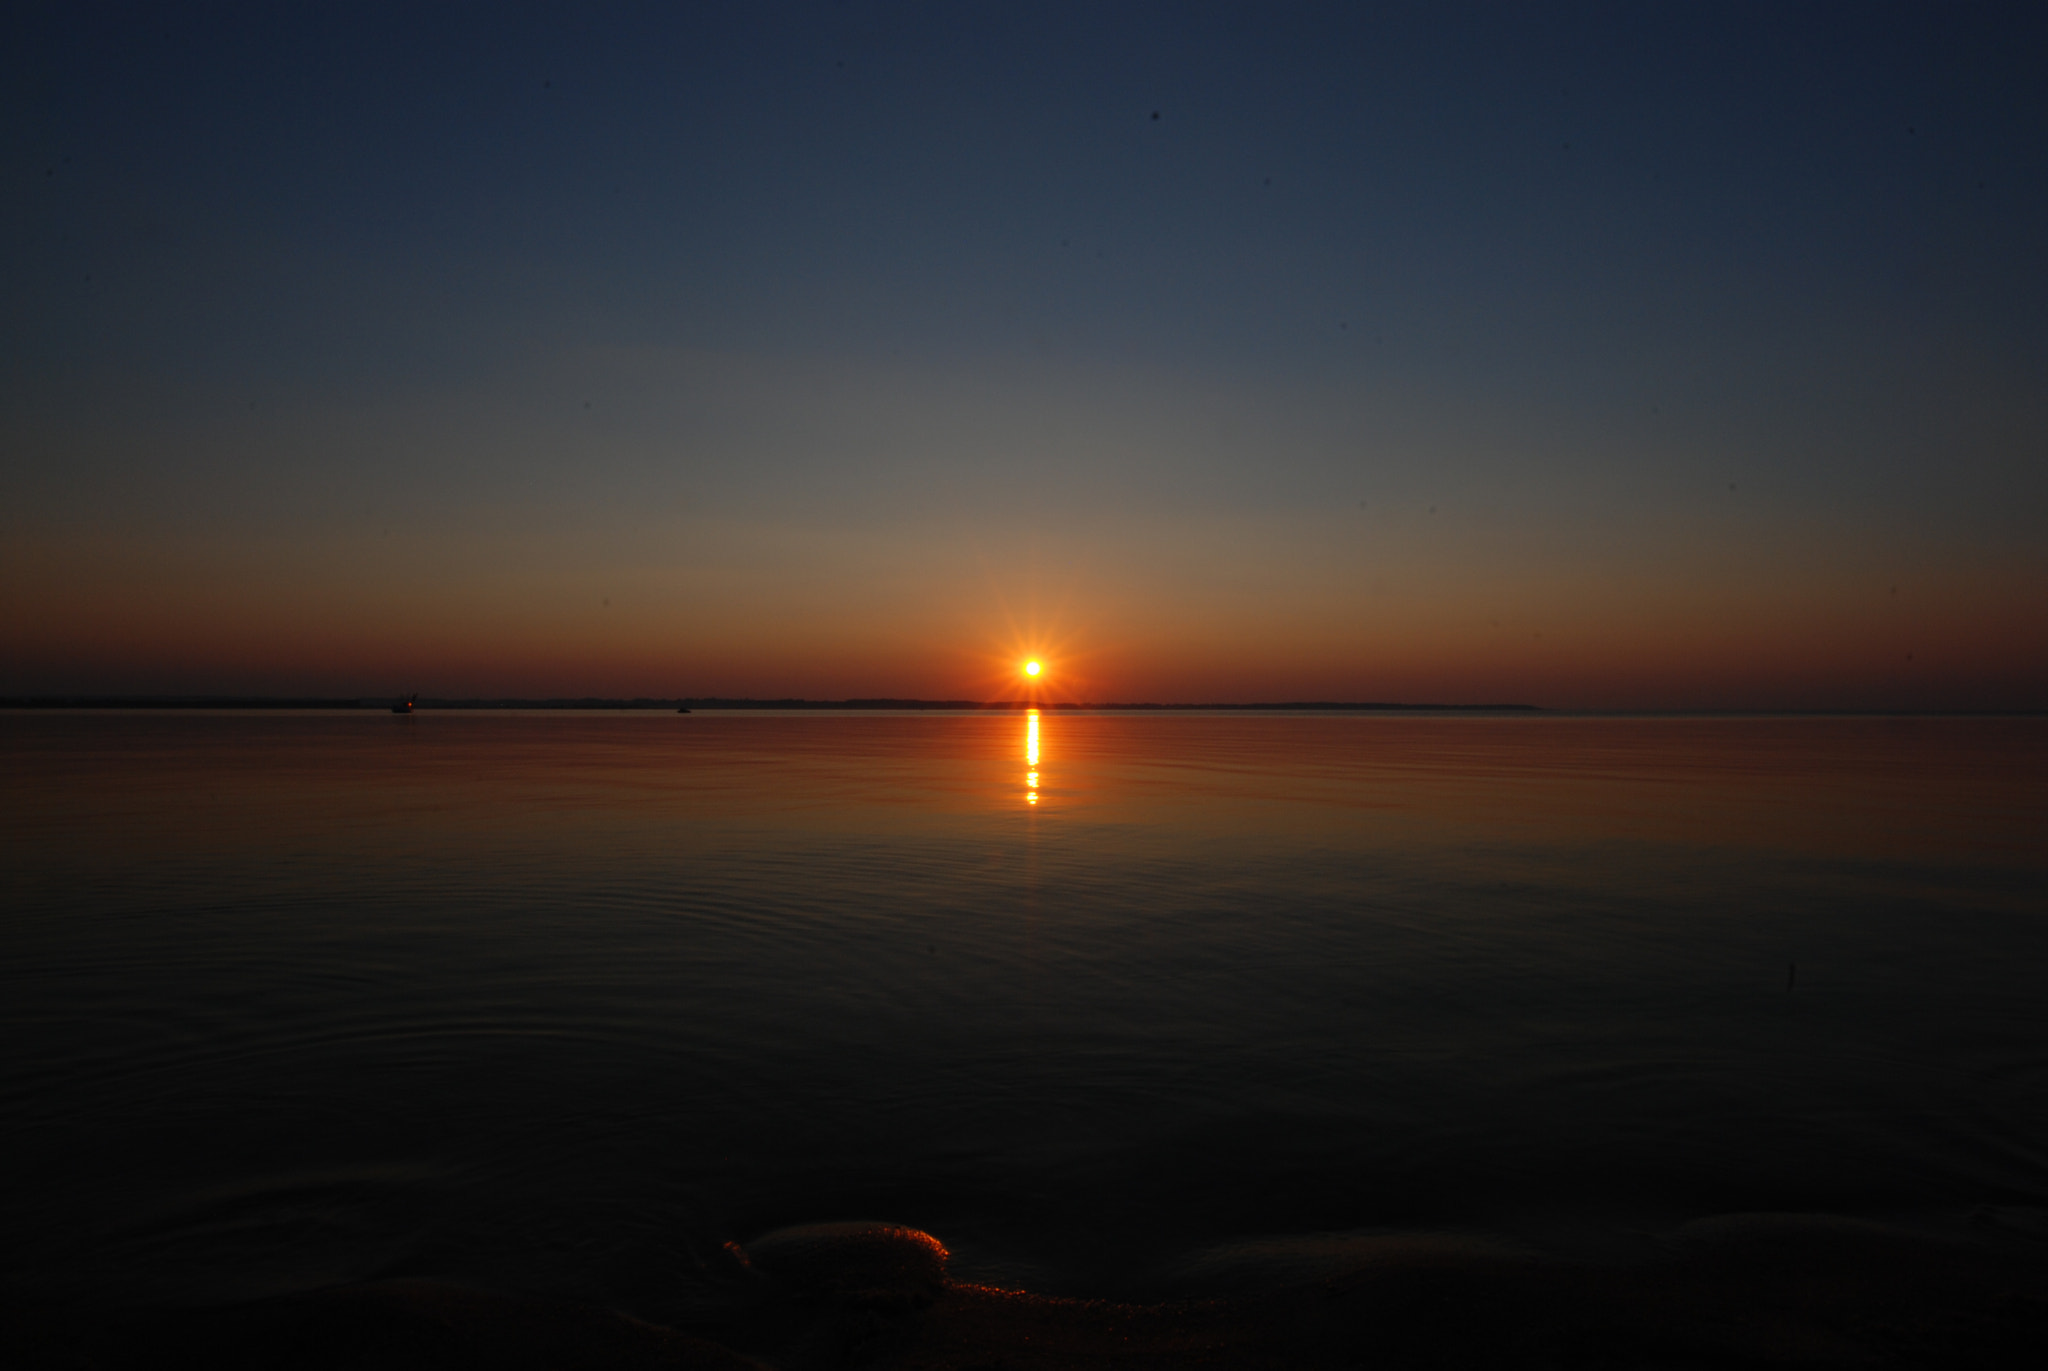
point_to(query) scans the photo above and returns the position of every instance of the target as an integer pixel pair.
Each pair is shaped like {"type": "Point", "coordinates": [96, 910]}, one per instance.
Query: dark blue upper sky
{"type": "Point", "coordinates": [1646, 296]}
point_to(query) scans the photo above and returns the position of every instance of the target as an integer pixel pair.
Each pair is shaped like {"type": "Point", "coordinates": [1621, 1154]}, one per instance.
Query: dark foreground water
{"type": "Point", "coordinates": [561, 1003]}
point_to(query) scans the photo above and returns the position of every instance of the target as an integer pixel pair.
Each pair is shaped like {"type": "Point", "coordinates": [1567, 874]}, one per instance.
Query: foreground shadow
{"type": "Point", "coordinates": [876, 1295]}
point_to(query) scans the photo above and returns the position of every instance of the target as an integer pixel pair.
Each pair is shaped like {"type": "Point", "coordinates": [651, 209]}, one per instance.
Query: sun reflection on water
{"type": "Point", "coordinates": [1031, 756]}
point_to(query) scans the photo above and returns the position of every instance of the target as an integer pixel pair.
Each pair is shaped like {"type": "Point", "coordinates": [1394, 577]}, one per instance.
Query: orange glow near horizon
{"type": "Point", "coordinates": [150, 618]}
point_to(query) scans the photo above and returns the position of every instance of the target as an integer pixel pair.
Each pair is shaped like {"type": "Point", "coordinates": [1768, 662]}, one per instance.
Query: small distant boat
{"type": "Point", "coordinates": [405, 706]}
{"type": "Point", "coordinates": [684, 710]}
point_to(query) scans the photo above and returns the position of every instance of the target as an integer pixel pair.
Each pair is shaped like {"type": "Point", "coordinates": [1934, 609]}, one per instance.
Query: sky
{"type": "Point", "coordinates": [1630, 356]}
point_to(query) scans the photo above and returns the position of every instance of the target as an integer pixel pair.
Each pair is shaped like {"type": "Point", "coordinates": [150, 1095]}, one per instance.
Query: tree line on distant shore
{"type": "Point", "coordinates": [680, 702]}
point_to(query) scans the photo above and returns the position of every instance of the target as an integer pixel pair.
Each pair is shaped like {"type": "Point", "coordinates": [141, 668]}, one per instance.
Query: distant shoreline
{"type": "Point", "coordinates": [648, 703]}
{"type": "Point", "coordinates": [670, 705]}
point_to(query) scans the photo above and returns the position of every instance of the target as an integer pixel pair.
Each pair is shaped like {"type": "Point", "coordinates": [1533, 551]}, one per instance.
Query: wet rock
{"type": "Point", "coordinates": [880, 1264]}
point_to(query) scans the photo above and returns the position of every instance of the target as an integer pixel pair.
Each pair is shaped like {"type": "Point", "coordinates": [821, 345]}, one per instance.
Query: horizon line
{"type": "Point", "coordinates": [223, 701]}
{"type": "Point", "coordinates": [794, 703]}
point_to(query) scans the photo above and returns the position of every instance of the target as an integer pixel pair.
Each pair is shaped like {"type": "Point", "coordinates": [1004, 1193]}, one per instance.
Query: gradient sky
{"type": "Point", "coordinates": [1631, 356]}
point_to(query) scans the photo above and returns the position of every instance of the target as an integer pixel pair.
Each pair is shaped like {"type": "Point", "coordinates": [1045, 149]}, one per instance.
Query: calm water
{"type": "Point", "coordinates": [563, 1002]}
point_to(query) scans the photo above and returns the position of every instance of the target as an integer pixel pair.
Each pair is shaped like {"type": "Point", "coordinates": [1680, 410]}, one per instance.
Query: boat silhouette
{"type": "Point", "coordinates": [405, 706]}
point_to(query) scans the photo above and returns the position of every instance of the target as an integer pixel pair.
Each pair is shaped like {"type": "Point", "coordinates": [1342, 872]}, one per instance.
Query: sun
{"type": "Point", "coordinates": [1033, 668]}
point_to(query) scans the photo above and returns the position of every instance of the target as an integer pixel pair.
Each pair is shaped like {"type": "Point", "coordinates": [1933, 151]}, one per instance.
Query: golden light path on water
{"type": "Point", "coordinates": [1031, 756]}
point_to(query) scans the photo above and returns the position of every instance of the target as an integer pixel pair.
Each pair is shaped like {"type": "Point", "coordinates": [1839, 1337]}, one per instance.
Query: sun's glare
{"type": "Point", "coordinates": [1033, 668]}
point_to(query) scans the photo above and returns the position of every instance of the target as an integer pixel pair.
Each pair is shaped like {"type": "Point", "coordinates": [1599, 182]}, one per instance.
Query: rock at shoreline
{"type": "Point", "coordinates": [875, 1263]}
